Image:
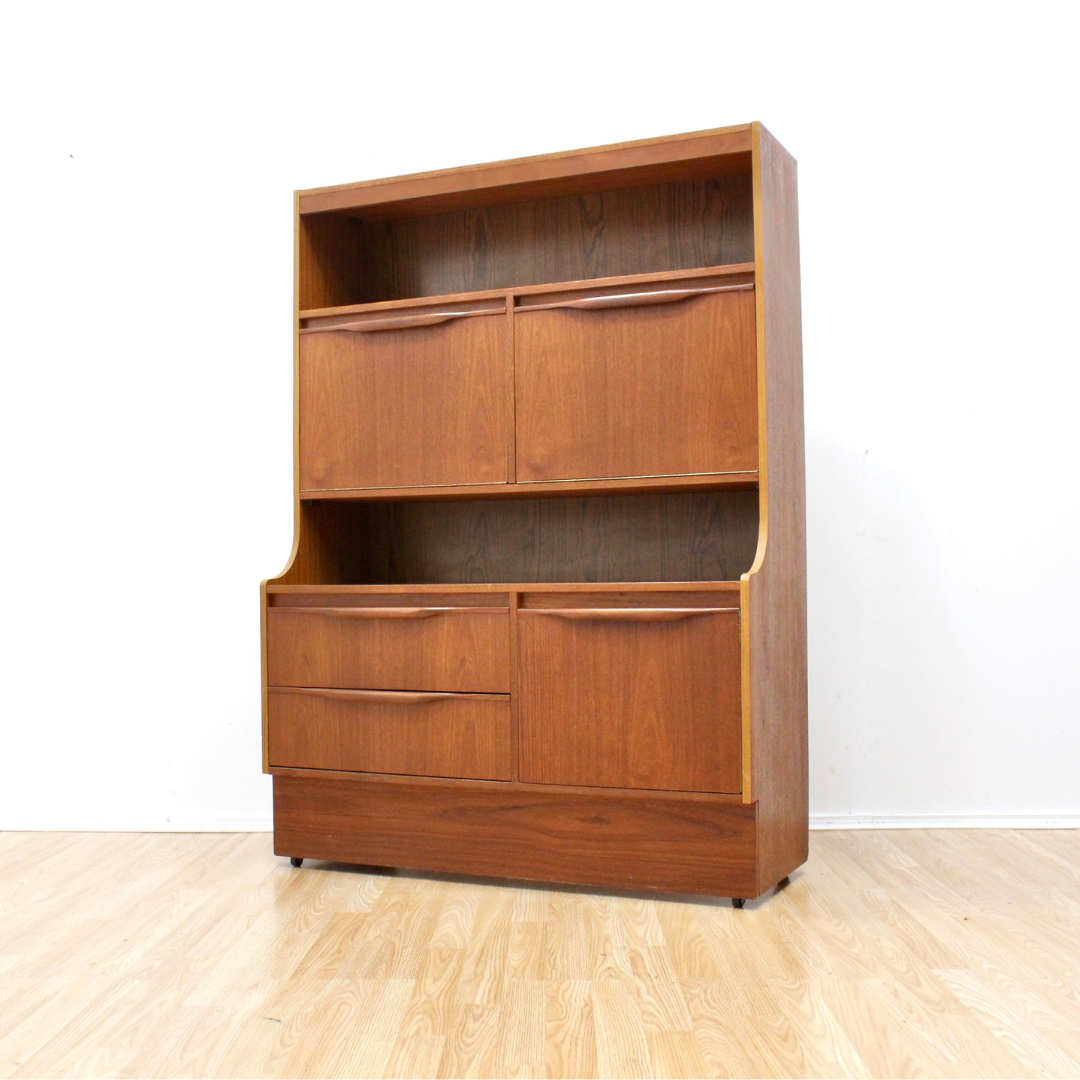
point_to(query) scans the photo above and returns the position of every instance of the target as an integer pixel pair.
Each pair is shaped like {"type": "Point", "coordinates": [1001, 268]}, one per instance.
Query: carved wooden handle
{"type": "Point", "coordinates": [380, 612]}
{"type": "Point", "coordinates": [636, 299]}
{"type": "Point", "coordinates": [628, 614]}
{"type": "Point", "coordinates": [399, 322]}
{"type": "Point", "coordinates": [388, 697]}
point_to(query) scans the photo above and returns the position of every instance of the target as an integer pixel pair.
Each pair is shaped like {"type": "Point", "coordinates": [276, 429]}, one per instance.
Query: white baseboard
{"type": "Point", "coordinates": [945, 821]}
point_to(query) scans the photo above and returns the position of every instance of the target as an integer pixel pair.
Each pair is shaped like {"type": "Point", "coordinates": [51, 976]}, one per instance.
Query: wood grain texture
{"type": "Point", "coordinates": [699, 536]}
{"type": "Point", "coordinates": [630, 697]}
{"type": "Point", "coordinates": [465, 735]}
{"type": "Point", "coordinates": [776, 584]}
{"type": "Point", "coordinates": [460, 649]}
{"type": "Point", "coordinates": [201, 955]}
{"type": "Point", "coordinates": [642, 230]}
{"type": "Point", "coordinates": [364, 596]}
{"type": "Point", "coordinates": [612, 839]}
{"type": "Point", "coordinates": [668, 209]}
{"type": "Point", "coordinates": [328, 260]}
{"type": "Point", "coordinates": [406, 407]}
{"type": "Point", "coordinates": [474, 593]}
{"type": "Point", "coordinates": [717, 597]}
{"type": "Point", "coordinates": [548, 489]}
{"type": "Point", "coordinates": [741, 273]}
{"type": "Point", "coordinates": [603, 393]}
{"type": "Point", "coordinates": [720, 151]}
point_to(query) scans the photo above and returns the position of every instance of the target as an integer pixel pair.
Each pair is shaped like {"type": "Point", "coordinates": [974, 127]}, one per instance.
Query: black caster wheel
{"type": "Point", "coordinates": [736, 902]}
{"type": "Point", "coordinates": [296, 862]}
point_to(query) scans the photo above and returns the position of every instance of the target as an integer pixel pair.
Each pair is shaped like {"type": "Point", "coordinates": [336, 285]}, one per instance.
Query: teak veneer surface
{"type": "Point", "coordinates": [890, 954]}
{"type": "Point", "coordinates": [637, 391]}
{"type": "Point", "coordinates": [423, 647]}
{"type": "Point", "coordinates": [530, 391]}
{"type": "Point", "coordinates": [630, 697]}
{"type": "Point", "coordinates": [642, 230]}
{"type": "Point", "coordinates": [714, 152]}
{"type": "Point", "coordinates": [546, 489]}
{"type": "Point", "coordinates": [691, 536]}
{"type": "Point", "coordinates": [776, 700]}
{"type": "Point", "coordinates": [616, 839]}
{"type": "Point", "coordinates": [420, 406]}
{"type": "Point", "coordinates": [462, 735]}
{"type": "Point", "coordinates": [742, 273]}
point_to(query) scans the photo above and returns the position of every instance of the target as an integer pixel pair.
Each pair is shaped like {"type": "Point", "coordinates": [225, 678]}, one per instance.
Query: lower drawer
{"type": "Point", "coordinates": [421, 734]}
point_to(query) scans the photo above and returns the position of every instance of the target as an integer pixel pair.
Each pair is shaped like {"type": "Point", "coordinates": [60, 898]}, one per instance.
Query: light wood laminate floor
{"type": "Point", "coordinates": [948, 953]}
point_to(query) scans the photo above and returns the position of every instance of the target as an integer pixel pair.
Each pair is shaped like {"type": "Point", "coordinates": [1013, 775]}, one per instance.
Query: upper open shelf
{"type": "Point", "coordinates": [359, 255]}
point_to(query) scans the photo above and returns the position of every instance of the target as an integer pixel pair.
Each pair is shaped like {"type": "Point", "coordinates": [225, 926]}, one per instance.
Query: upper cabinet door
{"type": "Point", "coordinates": [661, 381]}
{"type": "Point", "coordinates": [405, 400]}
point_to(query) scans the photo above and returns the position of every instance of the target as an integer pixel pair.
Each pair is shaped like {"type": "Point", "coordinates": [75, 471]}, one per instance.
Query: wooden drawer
{"type": "Point", "coordinates": [649, 383]}
{"type": "Point", "coordinates": [630, 697]}
{"type": "Point", "coordinates": [452, 649]}
{"type": "Point", "coordinates": [463, 735]}
{"type": "Point", "coordinates": [404, 400]}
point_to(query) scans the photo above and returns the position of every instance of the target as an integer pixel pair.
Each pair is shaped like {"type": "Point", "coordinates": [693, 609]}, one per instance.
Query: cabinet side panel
{"type": "Point", "coordinates": [777, 586]}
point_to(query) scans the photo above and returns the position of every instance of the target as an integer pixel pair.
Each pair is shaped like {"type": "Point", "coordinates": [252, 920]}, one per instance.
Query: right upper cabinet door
{"type": "Point", "coordinates": [636, 385]}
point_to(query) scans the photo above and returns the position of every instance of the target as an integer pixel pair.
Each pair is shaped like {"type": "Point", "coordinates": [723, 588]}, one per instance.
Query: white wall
{"type": "Point", "coordinates": [150, 156]}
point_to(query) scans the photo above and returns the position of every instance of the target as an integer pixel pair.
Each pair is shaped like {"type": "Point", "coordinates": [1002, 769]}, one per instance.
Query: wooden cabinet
{"type": "Point", "coordinates": [404, 400]}
{"type": "Point", "coordinates": [545, 611]}
{"type": "Point", "coordinates": [636, 697]}
{"type": "Point", "coordinates": [648, 381]}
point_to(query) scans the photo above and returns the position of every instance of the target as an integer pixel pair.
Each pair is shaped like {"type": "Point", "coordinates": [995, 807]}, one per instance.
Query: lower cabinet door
{"type": "Point", "coordinates": [630, 697]}
{"type": "Point", "coordinates": [421, 734]}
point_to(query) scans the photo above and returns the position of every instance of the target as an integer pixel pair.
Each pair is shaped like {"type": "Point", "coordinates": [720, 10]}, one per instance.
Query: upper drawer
{"type": "Point", "coordinates": [653, 381]}
{"type": "Point", "coordinates": [405, 400]}
{"type": "Point", "coordinates": [461, 650]}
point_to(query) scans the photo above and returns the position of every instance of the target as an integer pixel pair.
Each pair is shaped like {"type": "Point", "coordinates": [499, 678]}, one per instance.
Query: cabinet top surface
{"type": "Point", "coordinates": [643, 161]}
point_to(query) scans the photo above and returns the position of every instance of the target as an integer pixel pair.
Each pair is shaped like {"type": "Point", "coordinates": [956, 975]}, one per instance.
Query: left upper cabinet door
{"type": "Point", "coordinates": [412, 399]}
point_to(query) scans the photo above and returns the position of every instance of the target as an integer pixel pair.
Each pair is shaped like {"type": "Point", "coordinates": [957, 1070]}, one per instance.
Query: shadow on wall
{"type": "Point", "coordinates": [893, 730]}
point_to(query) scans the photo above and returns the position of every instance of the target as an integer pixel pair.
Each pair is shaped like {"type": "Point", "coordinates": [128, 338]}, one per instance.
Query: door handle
{"type": "Point", "coordinates": [628, 614]}
{"type": "Point", "coordinates": [635, 299]}
{"type": "Point", "coordinates": [386, 697]}
{"type": "Point", "coordinates": [386, 612]}
{"type": "Point", "coordinates": [399, 322]}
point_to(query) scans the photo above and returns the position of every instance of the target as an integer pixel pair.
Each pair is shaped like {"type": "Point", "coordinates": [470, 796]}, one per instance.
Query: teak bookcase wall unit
{"type": "Point", "coordinates": [544, 616]}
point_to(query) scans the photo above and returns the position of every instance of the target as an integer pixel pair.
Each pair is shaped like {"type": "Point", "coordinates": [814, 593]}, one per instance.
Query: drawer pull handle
{"type": "Point", "coordinates": [386, 612]}
{"type": "Point", "coordinates": [399, 322]}
{"type": "Point", "coordinates": [637, 299]}
{"type": "Point", "coordinates": [389, 697]}
{"type": "Point", "coordinates": [629, 614]}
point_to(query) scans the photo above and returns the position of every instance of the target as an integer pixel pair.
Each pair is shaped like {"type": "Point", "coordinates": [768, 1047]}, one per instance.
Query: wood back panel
{"type": "Point", "coordinates": [692, 536]}
{"type": "Point", "coordinates": [421, 406]}
{"type": "Point", "coordinates": [463, 649]}
{"type": "Point", "coordinates": [661, 390]}
{"type": "Point", "coordinates": [630, 698]}
{"type": "Point", "coordinates": [641, 230]}
{"type": "Point", "coordinates": [464, 735]}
